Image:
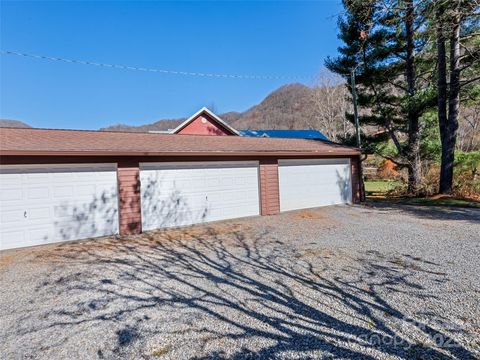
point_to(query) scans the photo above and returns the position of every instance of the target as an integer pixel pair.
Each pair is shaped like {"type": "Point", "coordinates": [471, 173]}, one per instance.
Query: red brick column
{"type": "Point", "coordinates": [269, 194]}
{"type": "Point", "coordinates": [356, 191]}
{"type": "Point", "coordinates": [130, 215]}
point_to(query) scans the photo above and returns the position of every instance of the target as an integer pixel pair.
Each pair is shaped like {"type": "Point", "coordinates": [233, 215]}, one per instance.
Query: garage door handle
{"type": "Point", "coordinates": [25, 214]}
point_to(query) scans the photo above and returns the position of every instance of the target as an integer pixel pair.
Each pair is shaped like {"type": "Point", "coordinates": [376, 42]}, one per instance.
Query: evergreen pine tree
{"type": "Point", "coordinates": [382, 41]}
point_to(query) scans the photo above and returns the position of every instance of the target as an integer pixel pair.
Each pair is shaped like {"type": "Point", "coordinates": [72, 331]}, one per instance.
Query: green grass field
{"type": "Point", "coordinates": [380, 186]}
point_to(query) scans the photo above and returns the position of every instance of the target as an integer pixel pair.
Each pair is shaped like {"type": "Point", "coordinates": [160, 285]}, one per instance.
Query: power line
{"type": "Point", "coordinates": [153, 70]}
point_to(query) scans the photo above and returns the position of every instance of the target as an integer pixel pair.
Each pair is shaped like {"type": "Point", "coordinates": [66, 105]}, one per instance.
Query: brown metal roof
{"type": "Point", "coordinates": [17, 141]}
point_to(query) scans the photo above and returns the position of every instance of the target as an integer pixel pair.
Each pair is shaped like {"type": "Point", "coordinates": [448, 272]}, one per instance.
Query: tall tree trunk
{"type": "Point", "coordinates": [413, 152]}
{"type": "Point", "coordinates": [441, 81]}
{"type": "Point", "coordinates": [442, 87]}
{"type": "Point", "coordinates": [448, 151]}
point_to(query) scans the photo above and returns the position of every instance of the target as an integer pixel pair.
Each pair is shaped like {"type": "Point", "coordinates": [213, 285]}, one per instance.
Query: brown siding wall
{"type": "Point", "coordinates": [129, 203]}
{"type": "Point", "coordinates": [269, 194]}
{"type": "Point", "coordinates": [356, 191]}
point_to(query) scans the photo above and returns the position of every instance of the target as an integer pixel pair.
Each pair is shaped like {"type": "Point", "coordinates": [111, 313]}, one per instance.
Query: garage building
{"type": "Point", "coordinates": [59, 185]}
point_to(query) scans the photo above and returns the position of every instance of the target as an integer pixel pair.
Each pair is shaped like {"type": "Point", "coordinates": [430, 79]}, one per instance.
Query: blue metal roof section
{"type": "Point", "coordinates": [287, 134]}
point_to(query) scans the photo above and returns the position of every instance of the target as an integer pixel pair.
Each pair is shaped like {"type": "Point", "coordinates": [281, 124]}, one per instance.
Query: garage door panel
{"type": "Point", "coordinates": [312, 183]}
{"type": "Point", "coordinates": [179, 194]}
{"type": "Point", "coordinates": [174, 210]}
{"type": "Point", "coordinates": [62, 191]}
{"type": "Point", "coordinates": [310, 162]}
{"type": "Point", "coordinates": [168, 215]}
{"type": "Point", "coordinates": [85, 190]}
{"type": "Point", "coordinates": [11, 216]}
{"type": "Point", "coordinates": [37, 193]}
{"type": "Point", "coordinates": [65, 230]}
{"type": "Point", "coordinates": [39, 213]}
{"type": "Point", "coordinates": [72, 202]}
{"type": "Point", "coordinates": [10, 194]}
{"type": "Point", "coordinates": [40, 235]}
{"type": "Point", "coordinates": [18, 235]}
{"type": "Point", "coordinates": [35, 178]}
{"type": "Point", "coordinates": [9, 181]}
{"type": "Point", "coordinates": [81, 225]}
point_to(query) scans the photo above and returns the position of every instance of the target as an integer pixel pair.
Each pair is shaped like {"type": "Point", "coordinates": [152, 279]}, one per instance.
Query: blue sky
{"type": "Point", "coordinates": [253, 38]}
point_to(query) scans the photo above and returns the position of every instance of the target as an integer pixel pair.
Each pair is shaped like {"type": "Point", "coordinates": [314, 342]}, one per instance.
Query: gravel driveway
{"type": "Point", "coordinates": [337, 282]}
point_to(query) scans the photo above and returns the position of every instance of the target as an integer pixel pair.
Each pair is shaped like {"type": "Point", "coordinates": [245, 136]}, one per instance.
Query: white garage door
{"type": "Point", "coordinates": [42, 204]}
{"type": "Point", "coordinates": [177, 194]}
{"type": "Point", "coordinates": [311, 183]}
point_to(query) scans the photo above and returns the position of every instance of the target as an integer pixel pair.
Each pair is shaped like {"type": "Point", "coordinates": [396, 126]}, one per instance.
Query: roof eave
{"type": "Point", "coordinates": [176, 153]}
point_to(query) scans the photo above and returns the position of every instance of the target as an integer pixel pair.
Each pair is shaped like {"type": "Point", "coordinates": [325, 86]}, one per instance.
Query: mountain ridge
{"type": "Point", "coordinates": [287, 107]}
{"type": "Point", "coordinates": [290, 107]}
{"type": "Point", "coordinates": [9, 123]}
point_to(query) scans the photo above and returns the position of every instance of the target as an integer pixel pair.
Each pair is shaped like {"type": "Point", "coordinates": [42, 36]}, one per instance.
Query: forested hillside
{"type": "Point", "coordinates": [288, 107]}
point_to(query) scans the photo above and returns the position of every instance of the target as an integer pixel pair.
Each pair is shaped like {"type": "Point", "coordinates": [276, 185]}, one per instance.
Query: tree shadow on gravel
{"type": "Point", "coordinates": [432, 212]}
{"type": "Point", "coordinates": [234, 294]}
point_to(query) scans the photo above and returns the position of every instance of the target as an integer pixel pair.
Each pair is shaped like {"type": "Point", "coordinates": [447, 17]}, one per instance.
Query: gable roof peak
{"type": "Point", "coordinates": [211, 114]}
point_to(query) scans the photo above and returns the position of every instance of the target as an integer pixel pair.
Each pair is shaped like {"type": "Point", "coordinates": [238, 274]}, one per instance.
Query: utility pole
{"type": "Point", "coordinates": [355, 110]}
{"type": "Point", "coordinates": [357, 129]}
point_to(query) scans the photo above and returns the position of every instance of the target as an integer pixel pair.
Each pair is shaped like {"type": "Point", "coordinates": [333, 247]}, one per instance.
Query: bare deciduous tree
{"type": "Point", "coordinates": [469, 128]}
{"type": "Point", "coordinates": [331, 101]}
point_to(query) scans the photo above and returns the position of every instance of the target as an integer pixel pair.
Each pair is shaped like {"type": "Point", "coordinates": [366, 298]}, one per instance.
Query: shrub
{"type": "Point", "coordinates": [387, 170]}
{"type": "Point", "coordinates": [466, 179]}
